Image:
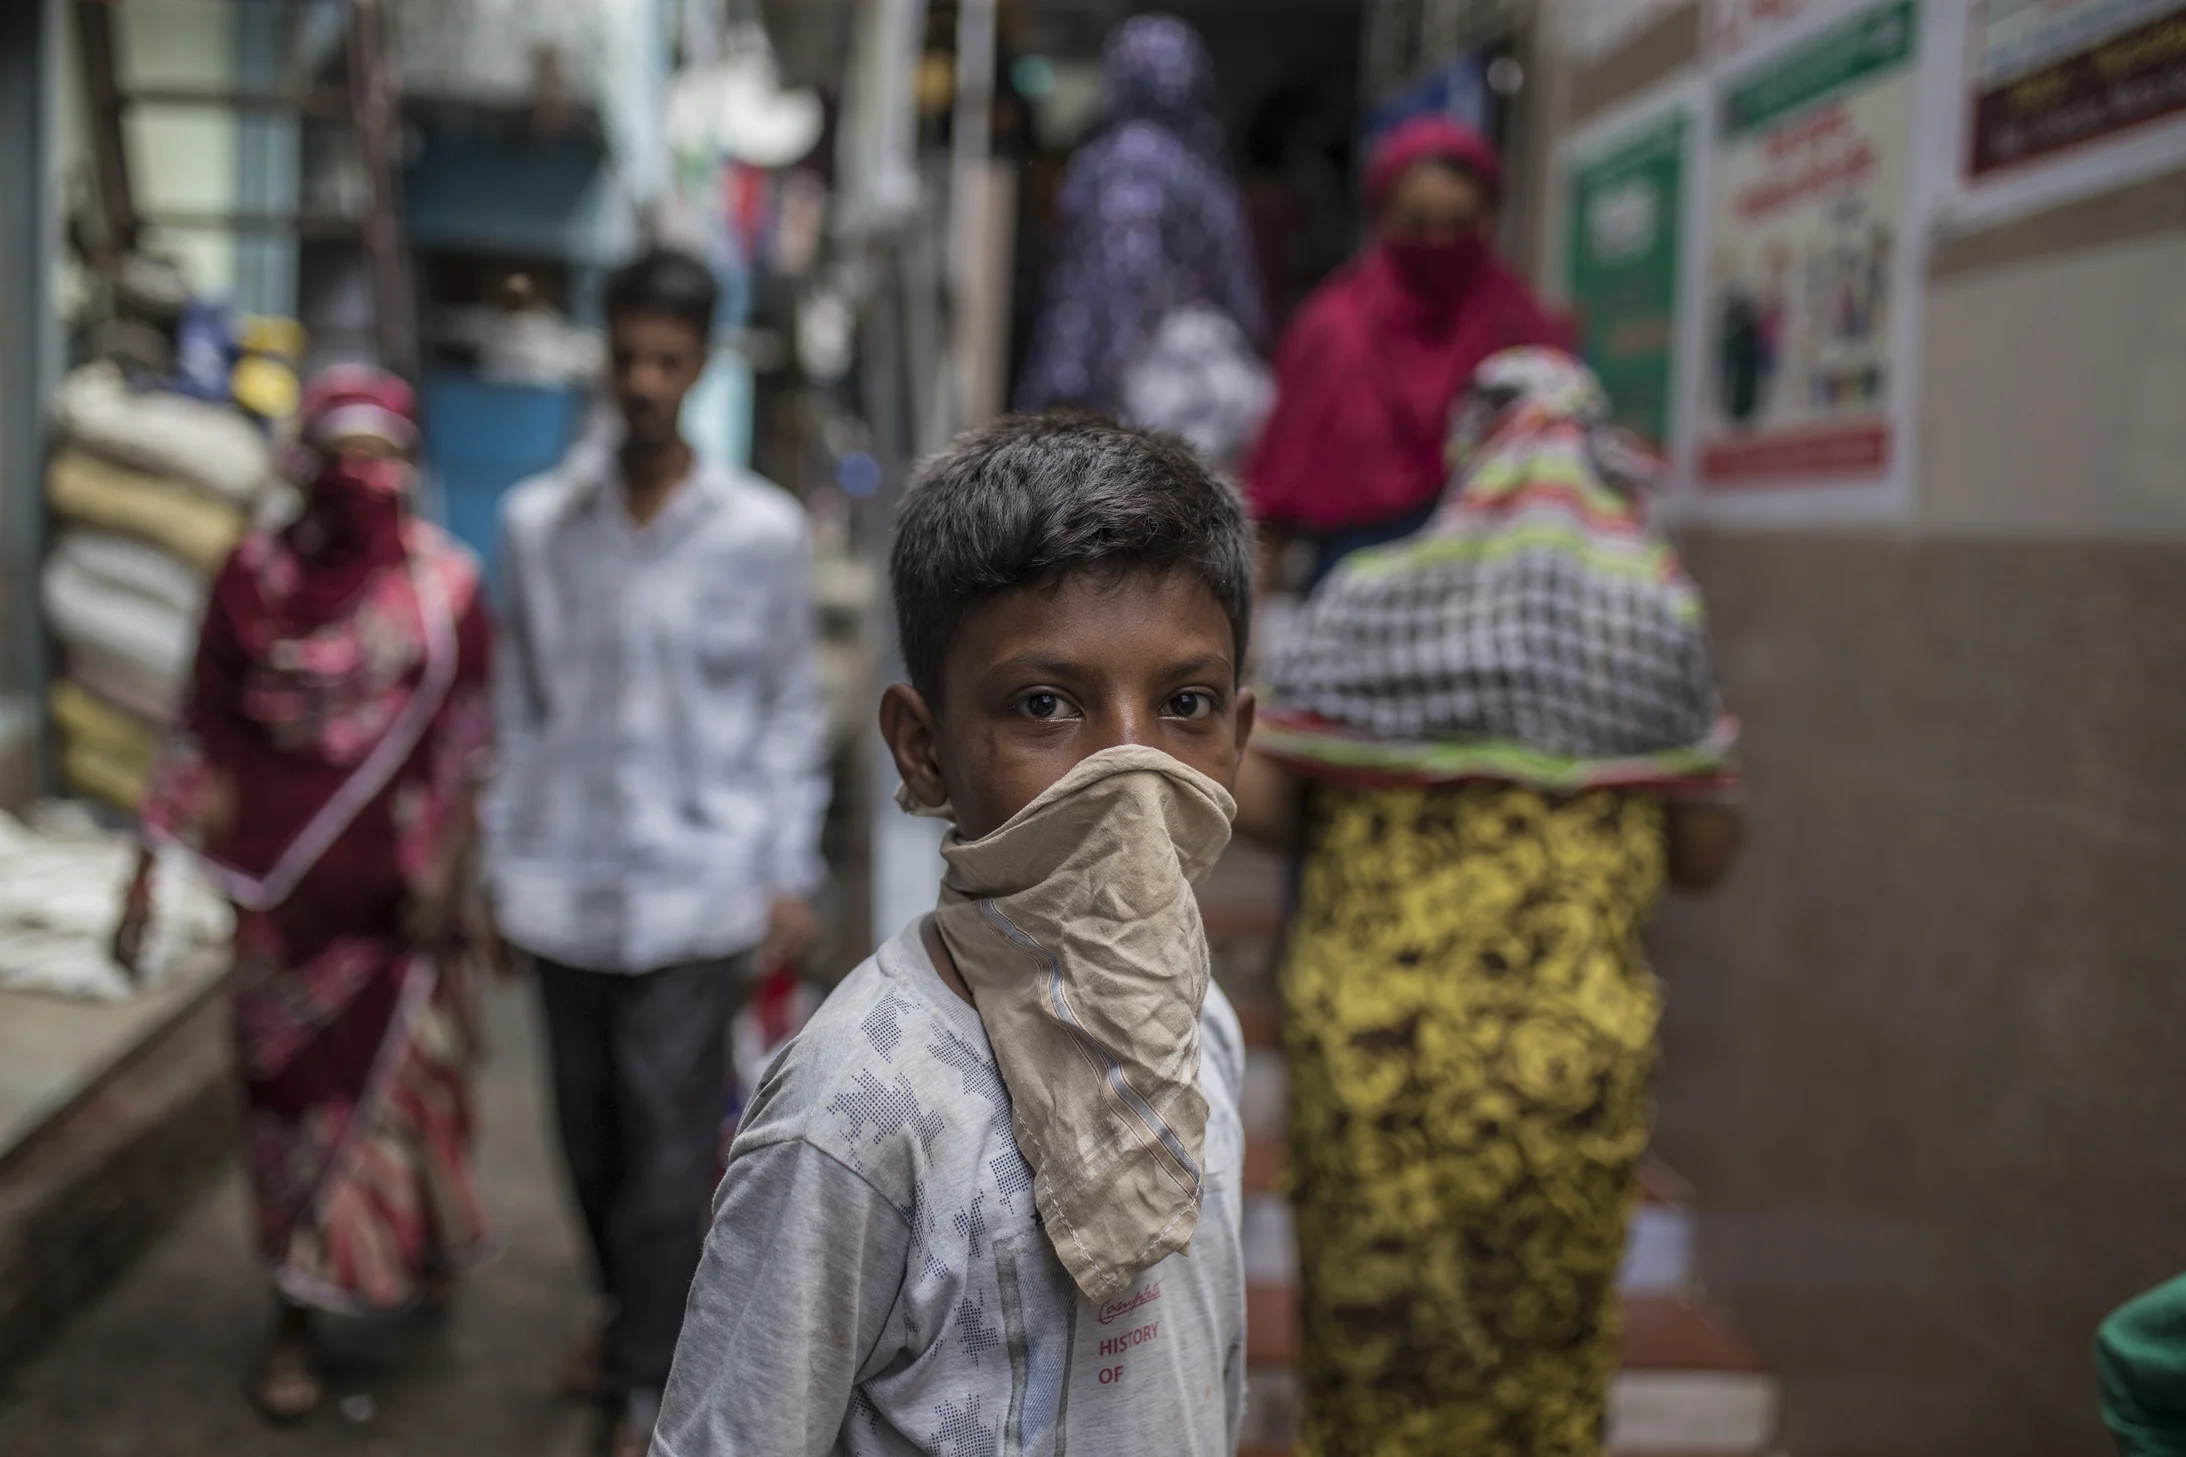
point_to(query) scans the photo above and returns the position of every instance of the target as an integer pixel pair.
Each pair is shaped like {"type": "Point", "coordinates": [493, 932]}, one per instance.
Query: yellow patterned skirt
{"type": "Point", "coordinates": [1470, 1035]}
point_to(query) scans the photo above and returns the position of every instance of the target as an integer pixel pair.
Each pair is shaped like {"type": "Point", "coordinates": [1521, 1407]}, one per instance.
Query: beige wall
{"type": "Point", "coordinates": [1923, 1053]}
{"type": "Point", "coordinates": [2053, 393]}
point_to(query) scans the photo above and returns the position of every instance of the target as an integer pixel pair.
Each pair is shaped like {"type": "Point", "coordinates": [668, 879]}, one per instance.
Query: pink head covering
{"type": "Point", "coordinates": [345, 401]}
{"type": "Point", "coordinates": [1430, 138]}
{"type": "Point", "coordinates": [354, 504]}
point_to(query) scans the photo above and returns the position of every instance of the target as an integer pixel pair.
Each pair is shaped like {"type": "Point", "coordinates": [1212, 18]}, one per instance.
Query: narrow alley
{"type": "Point", "coordinates": [1626, 556]}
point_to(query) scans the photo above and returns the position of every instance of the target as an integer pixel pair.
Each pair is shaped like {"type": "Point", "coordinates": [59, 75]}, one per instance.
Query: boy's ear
{"type": "Point", "coordinates": [1248, 710]}
{"type": "Point", "coordinates": [907, 724]}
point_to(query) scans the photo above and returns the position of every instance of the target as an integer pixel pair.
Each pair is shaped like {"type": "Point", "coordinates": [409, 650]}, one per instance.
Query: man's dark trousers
{"type": "Point", "coordinates": [640, 1086]}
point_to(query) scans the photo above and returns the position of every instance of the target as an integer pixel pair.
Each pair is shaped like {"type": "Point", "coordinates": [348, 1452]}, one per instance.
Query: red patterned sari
{"type": "Point", "coordinates": [336, 732]}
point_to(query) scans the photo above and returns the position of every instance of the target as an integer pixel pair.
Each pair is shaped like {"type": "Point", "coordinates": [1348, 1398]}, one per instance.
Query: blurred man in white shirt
{"type": "Point", "coordinates": [656, 822]}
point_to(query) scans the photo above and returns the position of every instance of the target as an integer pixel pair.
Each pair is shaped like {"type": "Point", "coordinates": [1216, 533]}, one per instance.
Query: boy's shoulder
{"type": "Point", "coordinates": [886, 1077]}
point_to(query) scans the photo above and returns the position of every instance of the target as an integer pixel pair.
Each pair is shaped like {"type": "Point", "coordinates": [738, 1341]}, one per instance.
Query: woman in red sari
{"type": "Point", "coordinates": [1370, 368]}
{"type": "Point", "coordinates": [334, 736]}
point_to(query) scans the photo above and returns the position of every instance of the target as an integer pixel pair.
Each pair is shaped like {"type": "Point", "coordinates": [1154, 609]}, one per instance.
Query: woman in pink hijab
{"type": "Point", "coordinates": [1368, 372]}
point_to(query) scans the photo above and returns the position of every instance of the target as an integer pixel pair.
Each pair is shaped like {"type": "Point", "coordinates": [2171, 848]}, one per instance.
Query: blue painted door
{"type": "Point", "coordinates": [483, 438]}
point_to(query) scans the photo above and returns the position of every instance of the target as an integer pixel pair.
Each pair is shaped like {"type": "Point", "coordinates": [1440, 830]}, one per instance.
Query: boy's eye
{"type": "Point", "coordinates": [1043, 705]}
{"type": "Point", "coordinates": [1191, 703]}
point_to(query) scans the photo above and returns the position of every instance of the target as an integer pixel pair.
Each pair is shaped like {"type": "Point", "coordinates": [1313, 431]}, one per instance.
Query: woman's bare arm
{"type": "Point", "coordinates": [136, 913]}
{"type": "Point", "coordinates": [1704, 843]}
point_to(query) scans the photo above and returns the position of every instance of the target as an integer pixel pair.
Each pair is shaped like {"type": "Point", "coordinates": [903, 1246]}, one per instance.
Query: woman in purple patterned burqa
{"type": "Point", "coordinates": [1149, 222]}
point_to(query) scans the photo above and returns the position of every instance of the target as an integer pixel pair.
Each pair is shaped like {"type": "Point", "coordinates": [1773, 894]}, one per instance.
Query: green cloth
{"type": "Point", "coordinates": [2140, 1359]}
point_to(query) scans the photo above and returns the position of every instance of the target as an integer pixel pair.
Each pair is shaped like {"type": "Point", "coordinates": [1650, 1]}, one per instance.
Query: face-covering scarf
{"type": "Point", "coordinates": [354, 506]}
{"type": "Point", "coordinates": [1075, 927]}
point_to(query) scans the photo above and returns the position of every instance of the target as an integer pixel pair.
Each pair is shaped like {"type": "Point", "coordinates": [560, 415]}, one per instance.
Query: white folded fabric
{"type": "Point", "coordinates": [135, 566]}
{"type": "Point", "coordinates": [214, 447]}
{"type": "Point", "coordinates": [61, 887]}
{"type": "Point", "coordinates": [149, 636]}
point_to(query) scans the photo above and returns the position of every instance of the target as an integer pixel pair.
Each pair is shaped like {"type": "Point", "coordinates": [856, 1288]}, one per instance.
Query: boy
{"type": "Point", "coordinates": [658, 811]}
{"type": "Point", "coordinates": [988, 1201]}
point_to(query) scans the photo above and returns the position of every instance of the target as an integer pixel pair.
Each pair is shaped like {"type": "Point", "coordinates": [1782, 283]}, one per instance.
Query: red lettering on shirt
{"type": "Point", "coordinates": [1115, 1310]}
{"type": "Point", "coordinates": [1117, 1345]}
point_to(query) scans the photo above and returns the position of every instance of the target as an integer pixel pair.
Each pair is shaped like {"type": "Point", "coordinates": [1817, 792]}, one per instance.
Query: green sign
{"type": "Point", "coordinates": [1627, 215]}
{"type": "Point", "coordinates": [1835, 61]}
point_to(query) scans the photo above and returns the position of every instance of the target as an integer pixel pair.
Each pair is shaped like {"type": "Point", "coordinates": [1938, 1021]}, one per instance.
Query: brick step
{"type": "Point", "coordinates": [1688, 1385]}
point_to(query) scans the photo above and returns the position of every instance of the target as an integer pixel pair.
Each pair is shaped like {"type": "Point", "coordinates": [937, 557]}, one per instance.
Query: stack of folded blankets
{"type": "Point", "coordinates": [62, 880]}
{"type": "Point", "coordinates": [151, 490]}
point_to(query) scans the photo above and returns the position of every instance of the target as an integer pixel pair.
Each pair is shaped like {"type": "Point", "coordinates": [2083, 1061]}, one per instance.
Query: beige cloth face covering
{"type": "Point", "coordinates": [1076, 929]}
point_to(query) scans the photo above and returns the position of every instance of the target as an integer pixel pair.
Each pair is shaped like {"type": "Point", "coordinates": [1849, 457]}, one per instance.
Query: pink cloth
{"type": "Point", "coordinates": [1368, 372]}
{"type": "Point", "coordinates": [1423, 138]}
{"type": "Point", "coordinates": [354, 505]}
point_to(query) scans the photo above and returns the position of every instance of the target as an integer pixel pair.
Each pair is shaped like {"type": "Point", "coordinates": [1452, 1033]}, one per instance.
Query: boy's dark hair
{"type": "Point", "coordinates": [1031, 499]}
{"type": "Point", "coordinates": [665, 282]}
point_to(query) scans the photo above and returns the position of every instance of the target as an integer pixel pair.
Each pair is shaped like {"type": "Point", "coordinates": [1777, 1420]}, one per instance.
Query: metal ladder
{"type": "Point", "coordinates": [370, 105]}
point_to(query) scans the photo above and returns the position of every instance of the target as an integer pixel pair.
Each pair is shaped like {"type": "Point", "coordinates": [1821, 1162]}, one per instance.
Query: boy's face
{"type": "Point", "coordinates": [656, 359]}
{"type": "Point", "coordinates": [1042, 677]}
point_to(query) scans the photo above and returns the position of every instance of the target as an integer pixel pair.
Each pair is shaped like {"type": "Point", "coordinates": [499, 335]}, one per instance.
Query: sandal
{"type": "Point", "coordinates": [289, 1386]}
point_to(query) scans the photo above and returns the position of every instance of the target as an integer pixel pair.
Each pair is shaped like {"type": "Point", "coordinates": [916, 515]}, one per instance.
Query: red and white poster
{"type": "Point", "coordinates": [1810, 205]}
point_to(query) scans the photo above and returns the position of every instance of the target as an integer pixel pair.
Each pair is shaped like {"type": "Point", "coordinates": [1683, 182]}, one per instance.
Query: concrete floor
{"type": "Point", "coordinates": [156, 1367]}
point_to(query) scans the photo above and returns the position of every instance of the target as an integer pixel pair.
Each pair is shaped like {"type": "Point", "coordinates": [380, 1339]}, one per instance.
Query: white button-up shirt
{"type": "Point", "coordinates": [663, 738]}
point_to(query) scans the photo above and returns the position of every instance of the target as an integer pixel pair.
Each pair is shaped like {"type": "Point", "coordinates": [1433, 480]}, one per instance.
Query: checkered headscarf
{"type": "Point", "coordinates": [1536, 628]}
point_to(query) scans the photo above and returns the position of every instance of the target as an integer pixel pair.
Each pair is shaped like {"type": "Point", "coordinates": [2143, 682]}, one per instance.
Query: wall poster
{"type": "Point", "coordinates": [1627, 222]}
{"type": "Point", "coordinates": [1809, 209]}
{"type": "Point", "coordinates": [2053, 74]}
{"type": "Point", "coordinates": [1598, 27]}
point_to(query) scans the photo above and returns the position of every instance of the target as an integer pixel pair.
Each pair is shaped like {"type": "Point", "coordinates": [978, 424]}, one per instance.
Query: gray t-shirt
{"type": "Point", "coordinates": [877, 1282]}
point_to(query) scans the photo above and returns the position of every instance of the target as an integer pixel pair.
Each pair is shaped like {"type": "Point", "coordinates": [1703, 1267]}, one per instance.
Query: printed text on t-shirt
{"type": "Point", "coordinates": [1115, 1310]}
{"type": "Point", "coordinates": [1117, 1345]}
